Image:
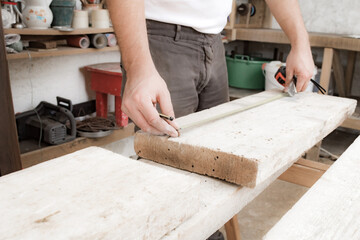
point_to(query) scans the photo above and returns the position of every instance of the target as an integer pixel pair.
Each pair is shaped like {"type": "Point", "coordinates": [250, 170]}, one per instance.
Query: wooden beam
{"type": "Point", "coordinates": [232, 229]}
{"type": "Point", "coordinates": [326, 68]}
{"type": "Point", "coordinates": [9, 146]}
{"type": "Point", "coordinates": [313, 153]}
{"type": "Point", "coordinates": [304, 172]}
{"type": "Point", "coordinates": [108, 188]}
{"type": "Point", "coordinates": [330, 209]}
{"type": "Point", "coordinates": [339, 74]}
{"type": "Point", "coordinates": [351, 122]}
{"type": "Point", "coordinates": [316, 39]}
{"type": "Point", "coordinates": [32, 158]}
{"type": "Point", "coordinates": [349, 74]}
{"type": "Point", "coordinates": [243, 148]}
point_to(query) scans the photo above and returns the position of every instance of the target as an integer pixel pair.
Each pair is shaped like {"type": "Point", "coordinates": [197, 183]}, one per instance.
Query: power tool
{"type": "Point", "coordinates": [48, 122]}
{"type": "Point", "coordinates": [280, 76]}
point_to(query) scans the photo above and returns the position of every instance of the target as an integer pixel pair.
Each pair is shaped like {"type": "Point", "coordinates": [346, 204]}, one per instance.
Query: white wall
{"type": "Point", "coordinates": [330, 16]}
{"type": "Point", "coordinates": [42, 79]}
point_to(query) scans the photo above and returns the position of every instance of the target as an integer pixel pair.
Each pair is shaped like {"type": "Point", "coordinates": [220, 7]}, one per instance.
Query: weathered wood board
{"type": "Point", "coordinates": [97, 194]}
{"type": "Point", "coordinates": [248, 147]}
{"type": "Point", "coordinates": [331, 208]}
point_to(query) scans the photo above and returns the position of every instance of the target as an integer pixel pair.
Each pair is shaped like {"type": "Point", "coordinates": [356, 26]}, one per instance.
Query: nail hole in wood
{"type": "Point", "coordinates": [192, 166]}
{"type": "Point", "coordinates": [213, 170]}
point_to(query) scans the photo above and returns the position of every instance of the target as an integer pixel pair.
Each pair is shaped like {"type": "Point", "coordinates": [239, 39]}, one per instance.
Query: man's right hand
{"type": "Point", "coordinates": [141, 95]}
{"type": "Point", "coordinates": [144, 87]}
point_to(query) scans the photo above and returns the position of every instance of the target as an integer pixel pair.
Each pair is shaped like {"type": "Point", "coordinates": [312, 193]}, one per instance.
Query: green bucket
{"type": "Point", "coordinates": [245, 72]}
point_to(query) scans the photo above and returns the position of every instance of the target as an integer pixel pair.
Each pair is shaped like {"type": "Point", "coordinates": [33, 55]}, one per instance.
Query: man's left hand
{"type": "Point", "coordinates": [301, 64]}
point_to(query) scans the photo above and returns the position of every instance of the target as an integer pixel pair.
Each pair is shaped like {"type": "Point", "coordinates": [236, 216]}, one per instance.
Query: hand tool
{"type": "Point", "coordinates": [280, 76]}
{"type": "Point", "coordinates": [163, 116]}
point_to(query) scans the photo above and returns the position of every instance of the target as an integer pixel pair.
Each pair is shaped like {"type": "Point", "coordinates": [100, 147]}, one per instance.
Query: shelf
{"type": "Point", "coordinates": [28, 31]}
{"type": "Point", "coordinates": [61, 51]}
{"type": "Point", "coordinates": [41, 155]}
{"type": "Point", "coordinates": [343, 42]}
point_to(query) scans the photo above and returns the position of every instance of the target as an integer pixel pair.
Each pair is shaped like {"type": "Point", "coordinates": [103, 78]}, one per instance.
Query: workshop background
{"type": "Point", "coordinates": [40, 79]}
{"type": "Point", "coordinates": [36, 79]}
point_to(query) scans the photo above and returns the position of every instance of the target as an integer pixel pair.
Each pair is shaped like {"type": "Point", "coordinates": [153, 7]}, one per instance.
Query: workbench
{"type": "Point", "coordinates": [331, 43]}
{"type": "Point", "coordinates": [96, 193]}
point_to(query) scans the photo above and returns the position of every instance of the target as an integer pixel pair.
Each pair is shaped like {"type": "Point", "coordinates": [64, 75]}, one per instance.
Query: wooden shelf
{"type": "Point", "coordinates": [61, 51]}
{"type": "Point", "coordinates": [277, 36]}
{"type": "Point", "coordinates": [50, 31]}
{"type": "Point", "coordinates": [31, 158]}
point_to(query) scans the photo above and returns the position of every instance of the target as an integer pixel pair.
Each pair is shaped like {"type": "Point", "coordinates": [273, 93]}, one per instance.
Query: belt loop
{"type": "Point", "coordinates": [177, 34]}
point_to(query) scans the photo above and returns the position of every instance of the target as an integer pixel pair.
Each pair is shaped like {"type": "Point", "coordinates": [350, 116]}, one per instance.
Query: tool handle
{"type": "Point", "coordinates": [64, 102]}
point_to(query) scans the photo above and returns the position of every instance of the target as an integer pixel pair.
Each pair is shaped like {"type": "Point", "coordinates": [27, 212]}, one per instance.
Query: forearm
{"type": "Point", "coordinates": [288, 15]}
{"type": "Point", "coordinates": [129, 23]}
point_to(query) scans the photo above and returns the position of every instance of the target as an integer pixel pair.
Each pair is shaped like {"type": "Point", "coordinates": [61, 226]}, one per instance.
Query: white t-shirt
{"type": "Point", "coordinates": [206, 16]}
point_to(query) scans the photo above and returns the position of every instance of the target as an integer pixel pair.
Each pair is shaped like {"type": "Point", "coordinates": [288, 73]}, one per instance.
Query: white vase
{"type": "Point", "coordinates": [37, 14]}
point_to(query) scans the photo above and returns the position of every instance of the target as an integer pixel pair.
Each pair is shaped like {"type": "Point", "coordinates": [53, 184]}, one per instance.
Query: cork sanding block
{"type": "Point", "coordinates": [248, 147]}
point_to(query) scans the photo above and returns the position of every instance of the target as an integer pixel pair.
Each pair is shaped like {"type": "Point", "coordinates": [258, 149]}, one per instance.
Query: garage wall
{"type": "Point", "coordinates": [42, 79]}
{"type": "Point", "coordinates": [330, 16]}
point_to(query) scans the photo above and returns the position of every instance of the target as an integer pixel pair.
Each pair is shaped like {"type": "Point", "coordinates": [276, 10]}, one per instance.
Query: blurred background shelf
{"type": "Point", "coordinates": [60, 51]}
{"type": "Point", "coordinates": [28, 31]}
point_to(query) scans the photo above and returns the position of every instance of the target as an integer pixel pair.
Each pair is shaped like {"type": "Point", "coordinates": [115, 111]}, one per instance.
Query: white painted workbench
{"type": "Point", "coordinates": [97, 194]}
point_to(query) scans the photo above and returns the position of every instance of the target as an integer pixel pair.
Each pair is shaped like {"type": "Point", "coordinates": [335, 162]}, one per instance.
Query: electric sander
{"type": "Point", "coordinates": [48, 122]}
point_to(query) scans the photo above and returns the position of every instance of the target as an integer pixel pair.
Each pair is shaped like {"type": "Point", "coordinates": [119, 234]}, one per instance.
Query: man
{"type": "Point", "coordinates": [178, 48]}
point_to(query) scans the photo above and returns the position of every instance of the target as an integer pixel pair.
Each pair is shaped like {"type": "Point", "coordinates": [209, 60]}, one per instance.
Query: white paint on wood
{"type": "Point", "coordinates": [331, 208]}
{"type": "Point", "coordinates": [97, 194]}
{"type": "Point", "coordinates": [259, 141]}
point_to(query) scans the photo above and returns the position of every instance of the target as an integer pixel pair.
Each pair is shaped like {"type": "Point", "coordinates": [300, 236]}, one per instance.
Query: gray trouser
{"type": "Point", "coordinates": [192, 65]}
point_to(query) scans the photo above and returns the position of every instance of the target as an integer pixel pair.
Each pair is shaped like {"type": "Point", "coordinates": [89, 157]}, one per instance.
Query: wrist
{"type": "Point", "coordinates": [139, 69]}
{"type": "Point", "coordinates": [300, 42]}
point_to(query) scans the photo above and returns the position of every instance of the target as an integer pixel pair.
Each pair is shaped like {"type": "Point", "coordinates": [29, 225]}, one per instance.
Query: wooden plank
{"type": "Point", "coordinates": [316, 39]}
{"type": "Point", "coordinates": [339, 74]}
{"type": "Point", "coordinates": [9, 146]}
{"type": "Point", "coordinates": [313, 164]}
{"type": "Point", "coordinates": [245, 148]}
{"type": "Point", "coordinates": [326, 68]}
{"type": "Point", "coordinates": [351, 122]}
{"type": "Point", "coordinates": [32, 158]}
{"type": "Point", "coordinates": [110, 196]}
{"type": "Point", "coordinates": [313, 153]}
{"type": "Point", "coordinates": [331, 208]}
{"type": "Point", "coordinates": [60, 52]}
{"type": "Point", "coordinates": [232, 229]}
{"type": "Point", "coordinates": [304, 172]}
{"type": "Point", "coordinates": [50, 31]}
{"type": "Point", "coordinates": [349, 74]}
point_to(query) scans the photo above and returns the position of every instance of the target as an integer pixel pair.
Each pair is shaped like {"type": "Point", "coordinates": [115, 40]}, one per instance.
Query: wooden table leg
{"type": "Point", "coordinates": [339, 75]}
{"type": "Point", "coordinates": [101, 104]}
{"type": "Point", "coordinates": [121, 118]}
{"type": "Point", "coordinates": [349, 74]}
{"type": "Point", "coordinates": [326, 68]}
{"type": "Point", "coordinates": [232, 229]}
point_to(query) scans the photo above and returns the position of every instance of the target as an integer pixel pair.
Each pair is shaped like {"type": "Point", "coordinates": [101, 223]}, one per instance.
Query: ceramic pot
{"type": "Point", "coordinates": [37, 14]}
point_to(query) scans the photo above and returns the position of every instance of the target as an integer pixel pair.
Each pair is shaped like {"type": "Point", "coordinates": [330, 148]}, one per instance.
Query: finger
{"type": "Point", "coordinates": [306, 84]}
{"type": "Point", "coordinates": [167, 108]}
{"type": "Point", "coordinates": [289, 77]}
{"type": "Point", "coordinates": [140, 121]}
{"type": "Point", "coordinates": [152, 118]}
{"type": "Point", "coordinates": [301, 83]}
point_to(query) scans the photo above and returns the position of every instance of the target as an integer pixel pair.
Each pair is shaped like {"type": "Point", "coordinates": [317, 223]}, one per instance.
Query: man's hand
{"type": "Point", "coordinates": [299, 63]}
{"type": "Point", "coordinates": [144, 87]}
{"type": "Point", "coordinates": [141, 94]}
